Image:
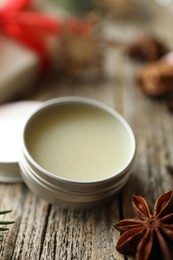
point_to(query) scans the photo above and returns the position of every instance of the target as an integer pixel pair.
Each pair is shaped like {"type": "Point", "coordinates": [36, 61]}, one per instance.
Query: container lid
{"type": "Point", "coordinates": [12, 120]}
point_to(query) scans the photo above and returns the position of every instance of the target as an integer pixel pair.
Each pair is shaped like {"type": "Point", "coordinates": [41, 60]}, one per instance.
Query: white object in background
{"type": "Point", "coordinates": [19, 65]}
{"type": "Point", "coordinates": [18, 68]}
{"type": "Point", "coordinates": [41, 147]}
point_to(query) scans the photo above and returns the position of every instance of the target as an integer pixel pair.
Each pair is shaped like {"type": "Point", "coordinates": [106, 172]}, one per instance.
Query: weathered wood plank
{"type": "Point", "coordinates": [44, 231]}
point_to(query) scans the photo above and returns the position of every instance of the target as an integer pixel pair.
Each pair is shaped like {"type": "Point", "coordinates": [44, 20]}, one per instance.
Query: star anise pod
{"type": "Point", "coordinates": [146, 48]}
{"type": "Point", "coordinates": [150, 236]}
{"type": "Point", "coordinates": [156, 78]}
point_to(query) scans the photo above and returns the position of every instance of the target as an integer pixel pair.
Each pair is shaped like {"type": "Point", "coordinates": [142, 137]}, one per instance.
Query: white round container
{"type": "Point", "coordinates": [68, 151]}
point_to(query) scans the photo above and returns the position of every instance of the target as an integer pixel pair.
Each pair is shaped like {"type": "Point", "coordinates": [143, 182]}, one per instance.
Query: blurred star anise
{"type": "Point", "coordinates": [150, 236]}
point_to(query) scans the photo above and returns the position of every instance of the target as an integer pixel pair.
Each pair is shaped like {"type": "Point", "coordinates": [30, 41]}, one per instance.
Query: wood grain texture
{"type": "Point", "coordinates": [47, 232]}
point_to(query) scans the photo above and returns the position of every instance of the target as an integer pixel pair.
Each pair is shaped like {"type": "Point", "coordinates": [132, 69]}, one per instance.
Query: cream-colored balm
{"type": "Point", "coordinates": [78, 142]}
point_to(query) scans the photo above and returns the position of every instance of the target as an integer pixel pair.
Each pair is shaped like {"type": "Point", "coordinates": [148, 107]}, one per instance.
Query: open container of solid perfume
{"type": "Point", "coordinates": [76, 152]}
{"type": "Point", "coordinates": [70, 151]}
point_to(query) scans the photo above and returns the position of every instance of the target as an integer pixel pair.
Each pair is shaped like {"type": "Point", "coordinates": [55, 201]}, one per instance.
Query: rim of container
{"type": "Point", "coordinates": [84, 101]}
{"type": "Point", "coordinates": [43, 182]}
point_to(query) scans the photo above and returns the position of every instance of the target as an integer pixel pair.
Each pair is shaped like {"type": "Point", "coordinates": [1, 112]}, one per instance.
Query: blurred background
{"type": "Point", "coordinates": [94, 41]}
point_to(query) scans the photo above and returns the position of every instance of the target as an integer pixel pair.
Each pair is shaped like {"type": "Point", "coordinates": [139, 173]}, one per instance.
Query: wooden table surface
{"type": "Point", "coordinates": [44, 231]}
